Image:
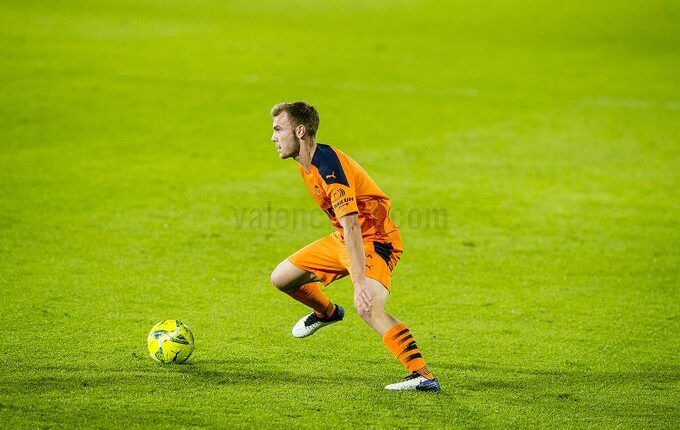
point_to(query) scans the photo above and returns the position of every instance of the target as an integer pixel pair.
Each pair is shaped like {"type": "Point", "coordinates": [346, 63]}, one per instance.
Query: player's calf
{"type": "Point", "coordinates": [303, 287]}
{"type": "Point", "coordinates": [375, 316]}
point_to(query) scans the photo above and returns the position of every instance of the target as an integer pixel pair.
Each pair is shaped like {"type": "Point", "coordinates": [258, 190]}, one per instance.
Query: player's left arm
{"type": "Point", "coordinates": [357, 259]}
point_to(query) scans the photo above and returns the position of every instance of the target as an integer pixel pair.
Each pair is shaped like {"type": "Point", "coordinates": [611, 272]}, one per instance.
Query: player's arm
{"type": "Point", "coordinates": [339, 186]}
{"type": "Point", "coordinates": [357, 258]}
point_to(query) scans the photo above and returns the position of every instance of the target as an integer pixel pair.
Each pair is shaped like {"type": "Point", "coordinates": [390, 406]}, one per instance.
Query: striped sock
{"type": "Point", "coordinates": [312, 296]}
{"type": "Point", "coordinates": [400, 342]}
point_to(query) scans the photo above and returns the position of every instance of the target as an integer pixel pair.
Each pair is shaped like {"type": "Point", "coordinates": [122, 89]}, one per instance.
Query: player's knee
{"type": "Point", "coordinates": [278, 279]}
{"type": "Point", "coordinates": [368, 313]}
{"type": "Point", "coordinates": [362, 310]}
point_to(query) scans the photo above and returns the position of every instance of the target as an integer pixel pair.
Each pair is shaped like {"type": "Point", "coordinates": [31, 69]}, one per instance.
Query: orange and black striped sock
{"type": "Point", "coordinates": [400, 341]}
{"type": "Point", "coordinates": [312, 296]}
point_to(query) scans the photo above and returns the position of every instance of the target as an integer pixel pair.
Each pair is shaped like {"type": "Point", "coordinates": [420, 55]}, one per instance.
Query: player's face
{"type": "Point", "coordinates": [284, 137]}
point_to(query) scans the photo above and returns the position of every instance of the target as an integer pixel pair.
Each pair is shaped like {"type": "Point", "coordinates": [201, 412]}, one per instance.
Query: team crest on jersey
{"type": "Point", "coordinates": [317, 191]}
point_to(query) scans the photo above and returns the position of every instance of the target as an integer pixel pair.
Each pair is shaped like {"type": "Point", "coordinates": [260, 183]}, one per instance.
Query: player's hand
{"type": "Point", "coordinates": [362, 297]}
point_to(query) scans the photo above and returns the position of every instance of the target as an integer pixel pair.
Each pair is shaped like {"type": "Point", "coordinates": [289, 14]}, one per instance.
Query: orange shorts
{"type": "Point", "coordinates": [327, 258]}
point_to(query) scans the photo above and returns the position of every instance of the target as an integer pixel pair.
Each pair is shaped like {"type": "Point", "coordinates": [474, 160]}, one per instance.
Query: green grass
{"type": "Point", "coordinates": [136, 173]}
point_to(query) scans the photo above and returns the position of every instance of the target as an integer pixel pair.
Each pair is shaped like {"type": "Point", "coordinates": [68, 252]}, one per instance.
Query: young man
{"type": "Point", "coordinates": [367, 245]}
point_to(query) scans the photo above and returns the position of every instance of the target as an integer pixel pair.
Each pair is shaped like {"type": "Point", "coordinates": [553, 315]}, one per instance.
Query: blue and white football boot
{"type": "Point", "coordinates": [415, 381]}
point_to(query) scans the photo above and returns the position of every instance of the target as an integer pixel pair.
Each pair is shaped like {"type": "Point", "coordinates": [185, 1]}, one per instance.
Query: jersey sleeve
{"type": "Point", "coordinates": [338, 184]}
{"type": "Point", "coordinates": [343, 199]}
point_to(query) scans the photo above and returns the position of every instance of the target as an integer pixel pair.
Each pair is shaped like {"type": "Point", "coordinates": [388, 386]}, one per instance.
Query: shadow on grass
{"type": "Point", "coordinates": [246, 372]}
{"type": "Point", "coordinates": [245, 376]}
{"type": "Point", "coordinates": [233, 372]}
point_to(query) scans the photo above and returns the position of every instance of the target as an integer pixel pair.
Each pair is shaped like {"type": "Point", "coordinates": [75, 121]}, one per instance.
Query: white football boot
{"type": "Point", "coordinates": [310, 323]}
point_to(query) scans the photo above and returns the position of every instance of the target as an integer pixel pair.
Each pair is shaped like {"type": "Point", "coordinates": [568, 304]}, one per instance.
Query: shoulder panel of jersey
{"type": "Point", "coordinates": [329, 166]}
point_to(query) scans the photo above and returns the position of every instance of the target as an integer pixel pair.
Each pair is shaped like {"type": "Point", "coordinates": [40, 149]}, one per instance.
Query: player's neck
{"type": "Point", "coordinates": [307, 149]}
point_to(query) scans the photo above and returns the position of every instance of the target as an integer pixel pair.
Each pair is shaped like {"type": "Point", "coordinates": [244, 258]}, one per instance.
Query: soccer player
{"type": "Point", "coordinates": [367, 244]}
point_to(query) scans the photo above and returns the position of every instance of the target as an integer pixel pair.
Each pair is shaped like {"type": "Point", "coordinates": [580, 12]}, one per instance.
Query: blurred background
{"type": "Point", "coordinates": [530, 150]}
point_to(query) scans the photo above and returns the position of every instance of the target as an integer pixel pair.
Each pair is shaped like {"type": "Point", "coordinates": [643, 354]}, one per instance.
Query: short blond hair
{"type": "Point", "coordinates": [300, 113]}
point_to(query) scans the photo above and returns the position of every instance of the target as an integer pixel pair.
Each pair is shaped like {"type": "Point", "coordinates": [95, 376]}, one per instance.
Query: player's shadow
{"type": "Point", "coordinates": [235, 371]}
{"type": "Point", "coordinates": [249, 371]}
{"type": "Point", "coordinates": [67, 378]}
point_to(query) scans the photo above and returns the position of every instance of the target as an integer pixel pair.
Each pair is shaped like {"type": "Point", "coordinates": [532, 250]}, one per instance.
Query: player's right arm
{"type": "Point", "coordinates": [357, 260]}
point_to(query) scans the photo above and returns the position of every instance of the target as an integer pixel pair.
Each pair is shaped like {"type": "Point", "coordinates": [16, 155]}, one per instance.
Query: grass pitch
{"type": "Point", "coordinates": [531, 152]}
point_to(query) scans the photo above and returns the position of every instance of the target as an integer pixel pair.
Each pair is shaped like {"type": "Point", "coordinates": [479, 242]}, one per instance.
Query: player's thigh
{"type": "Point", "coordinates": [286, 277]}
{"type": "Point", "coordinates": [321, 258]}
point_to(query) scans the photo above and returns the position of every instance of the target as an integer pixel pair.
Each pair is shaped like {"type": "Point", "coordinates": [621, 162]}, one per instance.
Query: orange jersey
{"type": "Point", "coordinates": [340, 186]}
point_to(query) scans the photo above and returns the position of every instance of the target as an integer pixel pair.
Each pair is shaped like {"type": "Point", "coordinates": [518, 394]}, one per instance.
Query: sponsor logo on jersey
{"type": "Point", "coordinates": [343, 202]}
{"type": "Point", "coordinates": [338, 194]}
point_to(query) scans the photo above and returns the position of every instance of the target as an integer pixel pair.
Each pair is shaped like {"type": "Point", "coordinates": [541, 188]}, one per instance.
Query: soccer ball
{"type": "Point", "coordinates": [170, 341]}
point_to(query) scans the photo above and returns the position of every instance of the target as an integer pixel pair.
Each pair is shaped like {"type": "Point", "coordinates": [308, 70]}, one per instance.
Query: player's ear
{"type": "Point", "coordinates": [300, 131]}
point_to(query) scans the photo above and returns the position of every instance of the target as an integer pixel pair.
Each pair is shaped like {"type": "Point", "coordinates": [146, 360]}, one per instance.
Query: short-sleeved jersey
{"type": "Point", "coordinates": [340, 186]}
